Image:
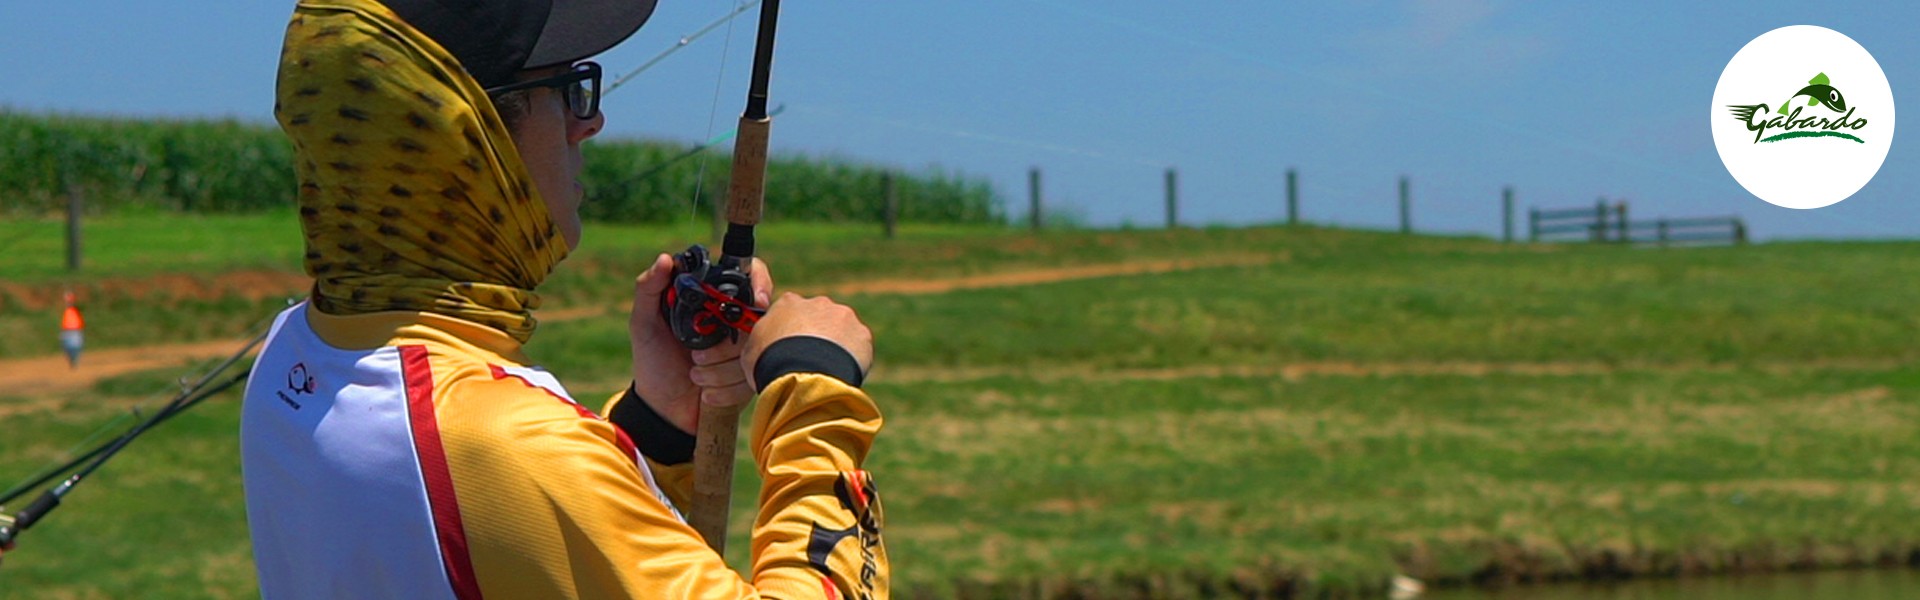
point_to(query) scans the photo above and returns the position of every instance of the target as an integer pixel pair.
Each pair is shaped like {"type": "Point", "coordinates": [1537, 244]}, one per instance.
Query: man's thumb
{"type": "Point", "coordinates": [654, 282]}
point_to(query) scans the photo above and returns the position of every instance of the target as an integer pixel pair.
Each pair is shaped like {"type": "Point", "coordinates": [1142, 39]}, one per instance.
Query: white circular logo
{"type": "Point", "coordinates": [1802, 117]}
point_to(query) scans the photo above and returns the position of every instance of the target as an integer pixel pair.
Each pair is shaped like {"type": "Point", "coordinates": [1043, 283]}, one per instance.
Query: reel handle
{"type": "Point", "coordinates": [28, 516]}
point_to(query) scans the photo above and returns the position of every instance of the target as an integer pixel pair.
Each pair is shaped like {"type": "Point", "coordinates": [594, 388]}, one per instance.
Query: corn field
{"type": "Point", "coordinates": [233, 166]}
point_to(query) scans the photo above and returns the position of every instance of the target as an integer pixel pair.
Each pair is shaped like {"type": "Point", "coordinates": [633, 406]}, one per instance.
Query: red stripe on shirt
{"type": "Point", "coordinates": [433, 467]}
{"type": "Point", "coordinates": [620, 438]}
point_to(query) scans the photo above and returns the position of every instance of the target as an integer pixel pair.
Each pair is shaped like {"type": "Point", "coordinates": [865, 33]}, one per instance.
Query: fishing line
{"type": "Point", "coordinates": [696, 150]}
{"type": "Point", "coordinates": [700, 178]}
{"type": "Point", "coordinates": [682, 43]}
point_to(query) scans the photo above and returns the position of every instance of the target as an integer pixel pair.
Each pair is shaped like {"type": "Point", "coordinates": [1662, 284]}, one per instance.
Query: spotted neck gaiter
{"type": "Point", "coordinates": [412, 196]}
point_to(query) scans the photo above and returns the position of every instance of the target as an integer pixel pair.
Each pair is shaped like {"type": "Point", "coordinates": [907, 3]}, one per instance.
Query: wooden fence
{"type": "Point", "coordinates": [1605, 223]}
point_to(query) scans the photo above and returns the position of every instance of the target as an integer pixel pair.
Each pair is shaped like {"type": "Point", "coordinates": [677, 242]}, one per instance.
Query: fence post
{"type": "Point", "coordinates": [1625, 236]}
{"type": "Point", "coordinates": [1033, 197]}
{"type": "Point", "coordinates": [1599, 233]}
{"type": "Point", "coordinates": [1739, 232]}
{"type": "Point", "coordinates": [1406, 211]}
{"type": "Point", "coordinates": [1293, 197]}
{"type": "Point", "coordinates": [1173, 198]}
{"type": "Point", "coordinates": [892, 215]}
{"type": "Point", "coordinates": [1506, 214]}
{"type": "Point", "coordinates": [1533, 224]}
{"type": "Point", "coordinates": [1663, 232]}
{"type": "Point", "coordinates": [73, 226]}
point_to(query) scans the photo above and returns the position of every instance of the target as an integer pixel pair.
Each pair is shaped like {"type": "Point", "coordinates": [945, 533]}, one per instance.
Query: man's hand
{"type": "Point", "coordinates": [675, 381]}
{"type": "Point", "coordinates": [819, 317]}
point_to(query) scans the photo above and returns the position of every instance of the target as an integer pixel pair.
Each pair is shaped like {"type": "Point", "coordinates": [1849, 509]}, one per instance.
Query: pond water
{"type": "Point", "coordinates": [1861, 584]}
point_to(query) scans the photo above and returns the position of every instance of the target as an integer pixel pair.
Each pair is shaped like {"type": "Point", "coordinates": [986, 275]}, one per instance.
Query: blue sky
{"type": "Point", "coordinates": [1567, 102]}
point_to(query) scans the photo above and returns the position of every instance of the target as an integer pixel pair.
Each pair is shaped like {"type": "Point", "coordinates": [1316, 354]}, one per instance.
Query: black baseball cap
{"type": "Point", "coordinates": [494, 39]}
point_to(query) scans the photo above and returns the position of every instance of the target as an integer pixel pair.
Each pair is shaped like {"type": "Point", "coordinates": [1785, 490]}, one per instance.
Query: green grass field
{"type": "Point", "coordinates": [1350, 406]}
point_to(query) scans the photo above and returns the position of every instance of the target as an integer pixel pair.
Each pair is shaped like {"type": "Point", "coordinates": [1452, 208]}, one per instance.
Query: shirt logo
{"type": "Point", "coordinates": [299, 380]}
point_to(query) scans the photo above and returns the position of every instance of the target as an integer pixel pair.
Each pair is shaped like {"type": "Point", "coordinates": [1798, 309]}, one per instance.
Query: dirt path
{"type": "Point", "coordinates": [48, 375]}
{"type": "Point", "coordinates": [1040, 276]}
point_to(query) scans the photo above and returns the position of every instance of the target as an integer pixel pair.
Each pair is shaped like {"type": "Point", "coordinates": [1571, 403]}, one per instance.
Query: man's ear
{"type": "Point", "coordinates": [513, 108]}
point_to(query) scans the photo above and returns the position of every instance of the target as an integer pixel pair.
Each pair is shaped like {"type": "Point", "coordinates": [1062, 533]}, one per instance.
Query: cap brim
{"type": "Point", "coordinates": [577, 29]}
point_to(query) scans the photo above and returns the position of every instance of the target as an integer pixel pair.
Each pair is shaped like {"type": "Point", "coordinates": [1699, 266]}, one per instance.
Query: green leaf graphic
{"type": "Point", "coordinates": [1783, 106]}
{"type": "Point", "coordinates": [1820, 79]}
{"type": "Point", "coordinates": [1812, 101]}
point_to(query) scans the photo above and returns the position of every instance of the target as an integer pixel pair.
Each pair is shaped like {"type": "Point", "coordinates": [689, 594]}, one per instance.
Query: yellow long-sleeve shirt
{"type": "Point", "coordinates": [415, 455]}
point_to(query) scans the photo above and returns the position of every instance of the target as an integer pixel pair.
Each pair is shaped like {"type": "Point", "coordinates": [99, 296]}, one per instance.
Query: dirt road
{"type": "Point", "coordinates": [41, 376]}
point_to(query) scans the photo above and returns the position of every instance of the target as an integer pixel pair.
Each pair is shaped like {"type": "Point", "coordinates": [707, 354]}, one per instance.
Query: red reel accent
{"type": "Point", "coordinates": [717, 304]}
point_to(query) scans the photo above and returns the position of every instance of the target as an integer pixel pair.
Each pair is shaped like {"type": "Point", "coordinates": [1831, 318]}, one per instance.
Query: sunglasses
{"type": "Point", "coordinates": [580, 87]}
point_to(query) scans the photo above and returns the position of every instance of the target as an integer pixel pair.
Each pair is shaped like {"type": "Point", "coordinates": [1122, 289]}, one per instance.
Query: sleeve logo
{"type": "Point", "coordinates": [857, 496]}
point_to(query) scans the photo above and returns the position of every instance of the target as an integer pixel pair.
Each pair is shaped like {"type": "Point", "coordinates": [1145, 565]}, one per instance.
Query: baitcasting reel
{"type": "Point", "coordinates": [708, 303]}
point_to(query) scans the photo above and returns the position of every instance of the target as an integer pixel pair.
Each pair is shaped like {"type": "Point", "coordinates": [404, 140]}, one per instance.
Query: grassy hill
{"type": "Point", "coordinates": [1261, 411]}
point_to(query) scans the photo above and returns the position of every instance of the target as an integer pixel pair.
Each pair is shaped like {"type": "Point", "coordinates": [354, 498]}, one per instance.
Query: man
{"type": "Point", "coordinates": [395, 440]}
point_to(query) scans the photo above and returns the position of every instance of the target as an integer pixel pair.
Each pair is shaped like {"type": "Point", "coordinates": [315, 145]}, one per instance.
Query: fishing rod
{"type": "Point", "coordinates": [12, 526]}
{"type": "Point", "coordinates": [165, 412]}
{"type": "Point", "coordinates": [684, 41]}
{"type": "Point", "coordinates": [712, 301]}
{"type": "Point", "coordinates": [48, 475]}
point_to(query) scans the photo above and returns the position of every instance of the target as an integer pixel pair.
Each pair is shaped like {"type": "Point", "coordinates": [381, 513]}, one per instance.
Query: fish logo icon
{"type": "Point", "coordinates": [1818, 92]}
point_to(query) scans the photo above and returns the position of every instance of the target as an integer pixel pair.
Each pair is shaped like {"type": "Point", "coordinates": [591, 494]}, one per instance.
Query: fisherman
{"type": "Point", "coordinates": [396, 442]}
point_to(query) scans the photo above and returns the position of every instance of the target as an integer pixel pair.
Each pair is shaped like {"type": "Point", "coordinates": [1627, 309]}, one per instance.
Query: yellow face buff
{"type": "Point", "coordinates": [412, 196]}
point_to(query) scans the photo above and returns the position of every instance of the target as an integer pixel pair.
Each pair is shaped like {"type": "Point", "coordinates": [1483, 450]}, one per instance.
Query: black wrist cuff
{"type": "Point", "coordinates": [806, 354]}
{"type": "Point", "coordinates": [651, 433]}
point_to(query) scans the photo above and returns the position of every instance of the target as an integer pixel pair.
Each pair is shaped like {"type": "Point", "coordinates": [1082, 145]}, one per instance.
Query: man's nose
{"type": "Point", "coordinates": [581, 129]}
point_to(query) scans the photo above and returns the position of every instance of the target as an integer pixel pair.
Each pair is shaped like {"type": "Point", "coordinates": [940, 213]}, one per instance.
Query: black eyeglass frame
{"type": "Point", "coordinates": [568, 83]}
